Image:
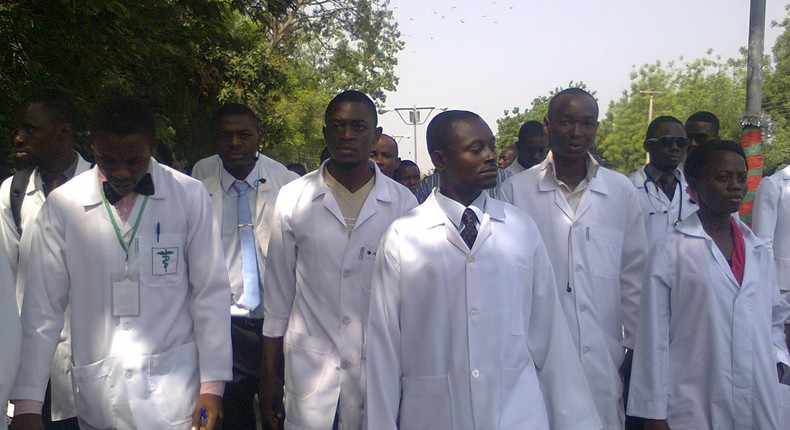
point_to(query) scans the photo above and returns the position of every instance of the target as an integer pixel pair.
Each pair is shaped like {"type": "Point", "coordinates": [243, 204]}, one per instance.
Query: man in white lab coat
{"type": "Point", "coordinates": [660, 184]}
{"type": "Point", "coordinates": [466, 330]}
{"type": "Point", "coordinates": [243, 189]}
{"type": "Point", "coordinates": [10, 334]}
{"type": "Point", "coordinates": [46, 125]}
{"type": "Point", "coordinates": [532, 147]}
{"type": "Point", "coordinates": [594, 232]}
{"type": "Point", "coordinates": [325, 235]}
{"type": "Point", "coordinates": [134, 249]}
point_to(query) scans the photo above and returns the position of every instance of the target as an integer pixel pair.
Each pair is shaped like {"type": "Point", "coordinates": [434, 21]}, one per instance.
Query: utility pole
{"type": "Point", "coordinates": [651, 93]}
{"type": "Point", "coordinates": [753, 119]}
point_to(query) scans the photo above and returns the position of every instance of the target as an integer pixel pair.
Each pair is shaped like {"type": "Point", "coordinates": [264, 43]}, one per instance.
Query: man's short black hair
{"type": "Point", "coordinates": [705, 116]}
{"type": "Point", "coordinates": [698, 159]}
{"type": "Point", "coordinates": [569, 91]}
{"type": "Point", "coordinates": [352, 96]}
{"type": "Point", "coordinates": [403, 165]}
{"type": "Point", "coordinates": [122, 115]}
{"type": "Point", "coordinates": [440, 129]}
{"type": "Point", "coordinates": [652, 129]}
{"type": "Point", "coordinates": [234, 109]}
{"type": "Point", "coordinates": [60, 106]}
{"type": "Point", "coordinates": [530, 129]}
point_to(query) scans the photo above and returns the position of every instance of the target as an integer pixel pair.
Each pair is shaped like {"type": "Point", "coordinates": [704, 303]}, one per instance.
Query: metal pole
{"type": "Point", "coordinates": [414, 123]}
{"type": "Point", "coordinates": [650, 110]}
{"type": "Point", "coordinates": [754, 68]}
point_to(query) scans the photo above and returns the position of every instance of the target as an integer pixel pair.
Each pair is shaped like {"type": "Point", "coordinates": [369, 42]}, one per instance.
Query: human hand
{"type": "Point", "coordinates": [27, 422]}
{"type": "Point", "coordinates": [656, 425]}
{"type": "Point", "coordinates": [208, 412]}
{"type": "Point", "coordinates": [270, 397]}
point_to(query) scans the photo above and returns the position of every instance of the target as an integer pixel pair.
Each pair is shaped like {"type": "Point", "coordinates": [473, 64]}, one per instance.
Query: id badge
{"type": "Point", "coordinates": [125, 295]}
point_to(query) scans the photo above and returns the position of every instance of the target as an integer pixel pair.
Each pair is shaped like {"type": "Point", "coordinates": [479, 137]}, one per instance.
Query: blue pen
{"type": "Point", "coordinates": [203, 416]}
{"type": "Point", "coordinates": [158, 230]}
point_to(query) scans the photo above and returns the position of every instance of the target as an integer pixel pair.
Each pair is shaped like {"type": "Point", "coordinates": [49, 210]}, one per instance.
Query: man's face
{"type": "Point", "coordinates": [532, 150]}
{"type": "Point", "coordinates": [123, 159]}
{"type": "Point", "coordinates": [409, 177]}
{"type": "Point", "coordinates": [506, 156]}
{"type": "Point", "coordinates": [236, 141]}
{"type": "Point", "coordinates": [469, 163]}
{"type": "Point", "coordinates": [38, 137]}
{"type": "Point", "coordinates": [699, 132]}
{"type": "Point", "coordinates": [350, 134]}
{"type": "Point", "coordinates": [665, 148]}
{"type": "Point", "coordinates": [385, 155]}
{"type": "Point", "coordinates": [572, 126]}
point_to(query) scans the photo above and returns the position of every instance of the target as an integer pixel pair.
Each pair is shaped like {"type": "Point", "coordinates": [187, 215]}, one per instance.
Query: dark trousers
{"type": "Point", "coordinates": [239, 400]}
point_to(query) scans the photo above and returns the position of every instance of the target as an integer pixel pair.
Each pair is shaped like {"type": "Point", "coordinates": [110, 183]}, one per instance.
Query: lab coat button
{"type": "Point", "coordinates": [346, 273]}
{"type": "Point", "coordinates": [475, 373]}
{"type": "Point", "coordinates": [473, 313]}
{"type": "Point", "coordinates": [470, 260]}
{"type": "Point", "coordinates": [344, 364]}
{"type": "Point", "coordinates": [586, 349]}
{"type": "Point", "coordinates": [582, 308]}
{"type": "Point", "coordinates": [343, 229]}
{"type": "Point", "coordinates": [346, 320]}
{"type": "Point", "coordinates": [128, 374]}
{"type": "Point", "coordinates": [127, 326]}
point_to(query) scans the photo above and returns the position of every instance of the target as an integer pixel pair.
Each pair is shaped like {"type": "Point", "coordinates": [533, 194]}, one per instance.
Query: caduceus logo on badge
{"type": "Point", "coordinates": [167, 261]}
{"type": "Point", "coordinates": [165, 257]}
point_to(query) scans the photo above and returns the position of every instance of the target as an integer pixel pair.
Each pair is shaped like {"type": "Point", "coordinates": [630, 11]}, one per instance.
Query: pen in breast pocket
{"type": "Point", "coordinates": [203, 417]}
{"type": "Point", "coordinates": [361, 253]}
{"type": "Point", "coordinates": [588, 234]}
{"type": "Point", "coordinates": [158, 230]}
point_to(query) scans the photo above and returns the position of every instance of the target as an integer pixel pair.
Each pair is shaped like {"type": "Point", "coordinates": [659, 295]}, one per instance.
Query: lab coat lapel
{"type": "Point", "coordinates": [262, 187]}
{"type": "Point", "coordinates": [214, 188]}
{"type": "Point", "coordinates": [92, 196]}
{"type": "Point", "coordinates": [327, 198]}
{"type": "Point", "coordinates": [495, 212]}
{"type": "Point", "coordinates": [595, 186]}
{"type": "Point", "coordinates": [380, 192]}
{"type": "Point", "coordinates": [693, 227]}
{"type": "Point", "coordinates": [548, 184]}
{"type": "Point", "coordinates": [439, 218]}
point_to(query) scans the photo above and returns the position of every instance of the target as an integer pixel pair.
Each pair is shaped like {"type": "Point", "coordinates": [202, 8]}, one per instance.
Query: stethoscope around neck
{"type": "Point", "coordinates": [656, 211]}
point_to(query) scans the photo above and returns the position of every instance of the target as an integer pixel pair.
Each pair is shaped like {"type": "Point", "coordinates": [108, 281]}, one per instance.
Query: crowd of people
{"type": "Point", "coordinates": [530, 289]}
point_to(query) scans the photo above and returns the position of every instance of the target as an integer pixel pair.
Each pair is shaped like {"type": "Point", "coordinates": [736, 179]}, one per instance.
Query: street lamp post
{"type": "Point", "coordinates": [414, 118]}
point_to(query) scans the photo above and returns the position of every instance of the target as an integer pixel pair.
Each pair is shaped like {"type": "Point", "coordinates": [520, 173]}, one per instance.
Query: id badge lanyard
{"type": "Point", "coordinates": [125, 245]}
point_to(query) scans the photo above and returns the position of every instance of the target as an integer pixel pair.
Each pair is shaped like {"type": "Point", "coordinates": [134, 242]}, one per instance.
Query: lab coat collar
{"type": "Point", "coordinates": [434, 217]}
{"type": "Point", "coordinates": [380, 192]}
{"type": "Point", "coordinates": [93, 193]}
{"type": "Point", "coordinates": [786, 173]}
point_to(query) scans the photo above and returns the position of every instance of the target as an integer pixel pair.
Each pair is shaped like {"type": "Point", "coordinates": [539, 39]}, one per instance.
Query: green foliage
{"type": "Point", "coordinates": [184, 58]}
{"type": "Point", "coordinates": [776, 100]}
{"type": "Point", "coordinates": [508, 126]}
{"type": "Point", "coordinates": [703, 84]}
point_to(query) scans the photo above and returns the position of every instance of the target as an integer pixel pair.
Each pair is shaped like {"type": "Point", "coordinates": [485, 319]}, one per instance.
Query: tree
{"type": "Point", "coordinates": [703, 84]}
{"type": "Point", "coordinates": [776, 100]}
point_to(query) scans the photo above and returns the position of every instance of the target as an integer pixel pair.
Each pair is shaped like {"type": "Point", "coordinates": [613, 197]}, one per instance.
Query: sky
{"type": "Point", "coordinates": [489, 56]}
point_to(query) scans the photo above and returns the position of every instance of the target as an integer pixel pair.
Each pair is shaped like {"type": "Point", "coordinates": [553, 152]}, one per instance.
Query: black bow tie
{"type": "Point", "coordinates": [145, 187]}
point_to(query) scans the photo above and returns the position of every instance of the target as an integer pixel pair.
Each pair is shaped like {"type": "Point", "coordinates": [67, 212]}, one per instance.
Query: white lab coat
{"type": "Point", "coordinates": [462, 339]}
{"type": "Point", "coordinates": [706, 347]}
{"type": "Point", "coordinates": [10, 333]}
{"type": "Point", "coordinates": [129, 372]}
{"type": "Point", "coordinates": [275, 175]}
{"type": "Point", "coordinates": [317, 295]}
{"type": "Point", "coordinates": [206, 167]}
{"type": "Point", "coordinates": [598, 255]}
{"type": "Point", "coordinates": [772, 220]}
{"type": "Point", "coordinates": [62, 399]}
{"type": "Point", "coordinates": [659, 213]}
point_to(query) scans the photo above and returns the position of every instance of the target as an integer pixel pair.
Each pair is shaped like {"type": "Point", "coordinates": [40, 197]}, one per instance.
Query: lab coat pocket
{"type": "Point", "coordinates": [162, 261]}
{"type": "Point", "coordinates": [306, 362]}
{"type": "Point", "coordinates": [174, 383]}
{"type": "Point", "coordinates": [426, 403]}
{"type": "Point", "coordinates": [783, 272]}
{"type": "Point", "coordinates": [522, 282]}
{"type": "Point", "coordinates": [367, 258]}
{"type": "Point", "coordinates": [605, 249]}
{"type": "Point", "coordinates": [93, 393]}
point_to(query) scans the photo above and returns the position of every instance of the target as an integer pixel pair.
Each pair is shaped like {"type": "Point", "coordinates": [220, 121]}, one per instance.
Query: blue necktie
{"type": "Point", "coordinates": [249, 261]}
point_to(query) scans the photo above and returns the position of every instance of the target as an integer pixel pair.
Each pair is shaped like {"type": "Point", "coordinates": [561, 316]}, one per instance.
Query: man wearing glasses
{"type": "Point", "coordinates": [701, 126]}
{"type": "Point", "coordinates": [660, 184]}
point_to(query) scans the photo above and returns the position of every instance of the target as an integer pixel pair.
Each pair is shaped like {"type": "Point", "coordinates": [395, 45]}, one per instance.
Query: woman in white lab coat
{"type": "Point", "coordinates": [710, 338]}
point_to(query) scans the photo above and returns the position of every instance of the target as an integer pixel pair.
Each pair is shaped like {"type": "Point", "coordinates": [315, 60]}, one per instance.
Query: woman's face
{"type": "Point", "coordinates": [722, 186]}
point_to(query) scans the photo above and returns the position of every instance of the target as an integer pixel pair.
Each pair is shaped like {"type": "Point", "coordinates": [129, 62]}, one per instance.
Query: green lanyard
{"type": "Point", "coordinates": [125, 245]}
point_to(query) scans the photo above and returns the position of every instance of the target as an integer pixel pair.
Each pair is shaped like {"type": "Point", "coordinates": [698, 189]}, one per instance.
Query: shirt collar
{"type": "Point", "coordinates": [592, 166]}
{"type": "Point", "coordinates": [455, 210]}
{"type": "Point", "coordinates": [655, 173]}
{"type": "Point", "coordinates": [226, 179]}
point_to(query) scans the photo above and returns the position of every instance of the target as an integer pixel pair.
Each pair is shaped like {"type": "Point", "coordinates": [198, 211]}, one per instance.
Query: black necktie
{"type": "Point", "coordinates": [667, 181]}
{"type": "Point", "coordinates": [469, 231]}
{"type": "Point", "coordinates": [145, 187]}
